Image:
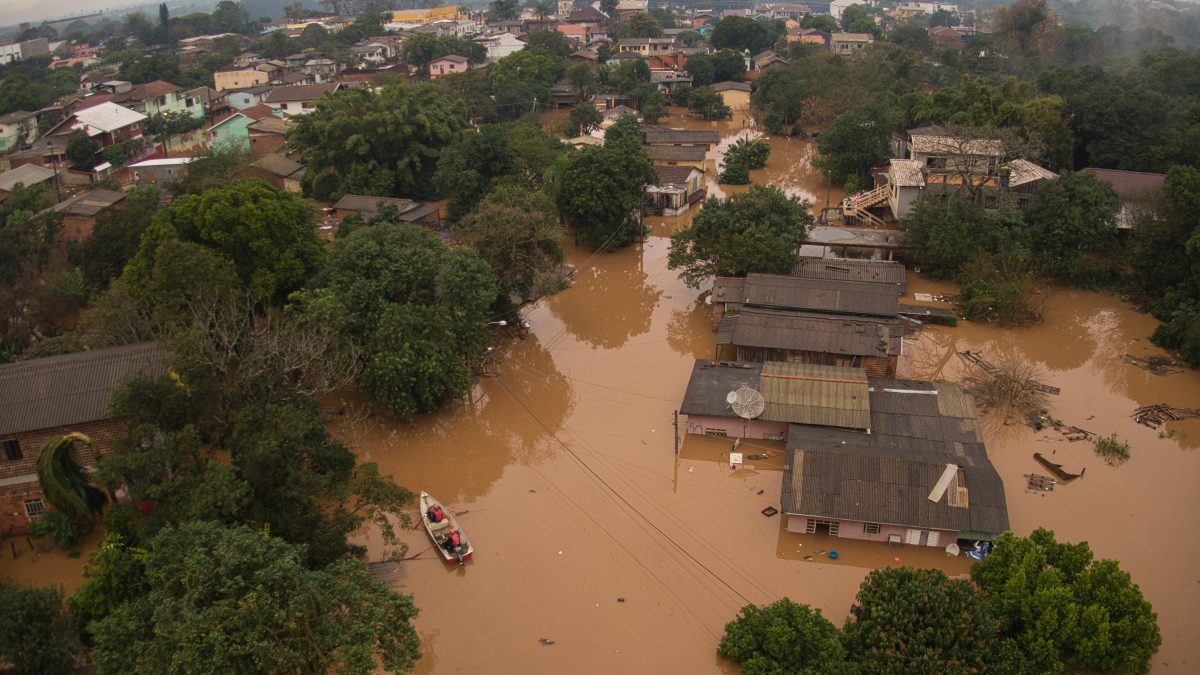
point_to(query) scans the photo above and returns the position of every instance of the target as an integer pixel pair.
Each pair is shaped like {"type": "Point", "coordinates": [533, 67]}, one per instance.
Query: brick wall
{"type": "Point", "coordinates": [15, 492]}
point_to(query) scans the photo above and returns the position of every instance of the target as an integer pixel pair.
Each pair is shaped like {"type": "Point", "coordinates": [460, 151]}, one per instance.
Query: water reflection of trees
{"type": "Point", "coordinates": [610, 302]}
{"type": "Point", "coordinates": [460, 452]}
{"type": "Point", "coordinates": [689, 331]}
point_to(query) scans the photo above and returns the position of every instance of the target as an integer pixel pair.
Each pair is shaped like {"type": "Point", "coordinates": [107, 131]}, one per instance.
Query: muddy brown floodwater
{"type": "Point", "coordinates": [592, 533]}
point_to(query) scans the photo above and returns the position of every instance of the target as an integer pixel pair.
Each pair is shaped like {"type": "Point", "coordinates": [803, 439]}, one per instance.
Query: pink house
{"type": "Point", "coordinates": [447, 65]}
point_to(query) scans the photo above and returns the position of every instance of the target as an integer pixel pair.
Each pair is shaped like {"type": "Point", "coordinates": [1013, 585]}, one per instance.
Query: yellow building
{"type": "Point", "coordinates": [429, 15]}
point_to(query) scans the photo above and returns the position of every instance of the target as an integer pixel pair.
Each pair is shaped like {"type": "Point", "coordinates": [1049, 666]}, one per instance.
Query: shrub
{"type": "Point", "coordinates": [1112, 449]}
{"type": "Point", "coordinates": [735, 174]}
{"type": "Point", "coordinates": [58, 526]}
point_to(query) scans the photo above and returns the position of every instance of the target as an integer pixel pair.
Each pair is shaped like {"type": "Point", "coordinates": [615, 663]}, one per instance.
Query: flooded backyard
{"type": "Point", "coordinates": [597, 544]}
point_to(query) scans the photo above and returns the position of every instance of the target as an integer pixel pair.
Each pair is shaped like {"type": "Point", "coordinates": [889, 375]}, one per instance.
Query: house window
{"type": "Point", "coordinates": [12, 449]}
{"type": "Point", "coordinates": [716, 432]}
{"type": "Point", "coordinates": [34, 508]}
{"type": "Point", "coordinates": [871, 528]}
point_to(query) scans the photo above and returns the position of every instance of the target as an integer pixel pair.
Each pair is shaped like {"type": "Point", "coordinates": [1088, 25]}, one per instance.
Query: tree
{"type": "Point", "coordinates": [417, 309]}
{"type": "Point", "coordinates": [943, 17]}
{"type": "Point", "coordinates": [81, 148]}
{"type": "Point", "coordinates": [116, 236]}
{"type": "Point", "coordinates": [783, 637]}
{"type": "Point", "coordinates": [521, 242]}
{"type": "Point", "coordinates": [601, 190]}
{"type": "Point", "coordinates": [235, 599]}
{"type": "Point", "coordinates": [422, 48]}
{"type": "Point", "coordinates": [721, 66]}
{"type": "Point", "coordinates": [36, 635]}
{"type": "Point", "coordinates": [551, 43]}
{"type": "Point", "coordinates": [584, 117]}
{"type": "Point", "coordinates": [856, 141]}
{"type": "Point", "coordinates": [469, 168]}
{"type": "Point", "coordinates": [609, 7]}
{"type": "Point", "coordinates": [1072, 215]}
{"type": "Point", "coordinates": [856, 19]}
{"type": "Point", "coordinates": [172, 123]}
{"type": "Point", "coordinates": [821, 22]}
{"type": "Point", "coordinates": [581, 76]}
{"type": "Point", "coordinates": [65, 484]}
{"type": "Point", "coordinates": [1060, 607]}
{"type": "Point", "coordinates": [640, 25]}
{"type": "Point", "coordinates": [907, 620]}
{"type": "Point", "coordinates": [707, 103]}
{"type": "Point", "coordinates": [779, 98]}
{"type": "Point", "coordinates": [504, 10]}
{"type": "Point", "coordinates": [751, 152]}
{"type": "Point", "coordinates": [346, 154]}
{"type": "Point", "coordinates": [756, 231]}
{"type": "Point", "coordinates": [268, 235]}
{"type": "Point", "coordinates": [654, 106]}
{"type": "Point", "coordinates": [735, 174]}
{"type": "Point", "coordinates": [740, 33]}
{"type": "Point", "coordinates": [229, 17]}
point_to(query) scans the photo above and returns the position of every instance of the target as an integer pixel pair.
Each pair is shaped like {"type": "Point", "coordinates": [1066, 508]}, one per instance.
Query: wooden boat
{"type": "Point", "coordinates": [439, 532]}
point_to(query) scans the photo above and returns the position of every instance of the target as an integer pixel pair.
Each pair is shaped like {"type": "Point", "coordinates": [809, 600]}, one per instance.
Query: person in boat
{"type": "Point", "coordinates": [435, 513]}
{"type": "Point", "coordinates": [453, 541]}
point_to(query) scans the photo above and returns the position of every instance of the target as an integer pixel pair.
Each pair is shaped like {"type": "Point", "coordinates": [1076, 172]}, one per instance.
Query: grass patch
{"type": "Point", "coordinates": [1112, 449]}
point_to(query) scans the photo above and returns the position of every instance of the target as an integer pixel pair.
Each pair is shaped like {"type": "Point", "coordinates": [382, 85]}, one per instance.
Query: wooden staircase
{"type": "Point", "coordinates": [855, 208]}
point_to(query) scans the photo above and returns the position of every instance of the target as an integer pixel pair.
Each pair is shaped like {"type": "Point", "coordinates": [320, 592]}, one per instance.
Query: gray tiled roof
{"type": "Point", "coordinates": [886, 476]}
{"type": "Point", "coordinates": [673, 136]}
{"type": "Point", "coordinates": [820, 295]}
{"type": "Point", "coordinates": [712, 381]}
{"type": "Point", "coordinates": [804, 331]}
{"type": "Point", "coordinates": [69, 389]}
{"type": "Point", "coordinates": [676, 153]}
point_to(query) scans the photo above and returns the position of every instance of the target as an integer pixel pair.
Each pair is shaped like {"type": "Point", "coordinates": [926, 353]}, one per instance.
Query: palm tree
{"type": "Point", "coordinates": [65, 484]}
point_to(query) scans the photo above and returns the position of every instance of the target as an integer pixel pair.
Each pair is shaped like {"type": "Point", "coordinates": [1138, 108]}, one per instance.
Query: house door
{"type": "Point", "coordinates": [921, 538]}
{"type": "Point", "coordinates": [814, 526]}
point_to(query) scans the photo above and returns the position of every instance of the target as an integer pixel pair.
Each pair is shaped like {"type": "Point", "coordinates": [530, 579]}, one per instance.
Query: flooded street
{"type": "Point", "coordinates": [599, 549]}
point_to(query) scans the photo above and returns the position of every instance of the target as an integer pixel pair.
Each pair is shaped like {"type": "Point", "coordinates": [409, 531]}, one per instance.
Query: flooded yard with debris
{"type": "Point", "coordinates": [598, 544]}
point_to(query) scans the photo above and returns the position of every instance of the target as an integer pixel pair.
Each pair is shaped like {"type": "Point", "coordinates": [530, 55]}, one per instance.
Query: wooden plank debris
{"type": "Point", "coordinates": [987, 367]}
{"type": "Point", "coordinates": [1057, 470]}
{"type": "Point", "coordinates": [1035, 481]}
{"type": "Point", "coordinates": [1154, 416]}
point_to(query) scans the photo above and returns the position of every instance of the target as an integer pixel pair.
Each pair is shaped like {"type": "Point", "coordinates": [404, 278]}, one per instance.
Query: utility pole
{"type": "Point", "coordinates": [676, 423]}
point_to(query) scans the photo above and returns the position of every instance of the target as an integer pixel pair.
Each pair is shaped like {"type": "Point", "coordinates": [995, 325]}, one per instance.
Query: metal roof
{"type": "Point", "coordinates": [89, 203]}
{"type": "Point", "coordinates": [26, 174]}
{"type": "Point", "coordinates": [803, 331]}
{"type": "Point", "coordinates": [301, 92]}
{"type": "Point", "coordinates": [848, 269]}
{"type": "Point", "coordinates": [821, 295]}
{"type": "Point", "coordinates": [279, 165]}
{"type": "Point", "coordinates": [1131, 185]}
{"type": "Point", "coordinates": [676, 153]}
{"type": "Point", "coordinates": [407, 210]}
{"type": "Point", "coordinates": [59, 391]}
{"type": "Point", "coordinates": [885, 476]}
{"type": "Point", "coordinates": [805, 393]}
{"type": "Point", "coordinates": [672, 136]}
{"type": "Point", "coordinates": [711, 382]}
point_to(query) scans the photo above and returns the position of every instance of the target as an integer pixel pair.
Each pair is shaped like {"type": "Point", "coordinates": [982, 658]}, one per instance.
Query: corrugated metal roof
{"type": "Point", "coordinates": [805, 393]}
{"type": "Point", "coordinates": [672, 136]}
{"type": "Point", "coordinates": [69, 389]}
{"type": "Point", "coordinates": [676, 153]}
{"type": "Point", "coordinates": [822, 295]}
{"type": "Point", "coordinates": [885, 476]}
{"type": "Point", "coordinates": [801, 331]}
{"type": "Point", "coordinates": [844, 269]}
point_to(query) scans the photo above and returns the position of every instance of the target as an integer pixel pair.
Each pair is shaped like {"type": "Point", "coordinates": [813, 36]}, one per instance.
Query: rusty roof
{"type": "Point", "coordinates": [885, 476]}
{"type": "Point", "coordinates": [59, 391]}
{"type": "Point", "coordinates": [805, 331]}
{"type": "Point", "coordinates": [806, 393]}
{"type": "Point", "coordinates": [1131, 185]}
{"type": "Point", "coordinates": [833, 296]}
{"type": "Point", "coordinates": [847, 269]}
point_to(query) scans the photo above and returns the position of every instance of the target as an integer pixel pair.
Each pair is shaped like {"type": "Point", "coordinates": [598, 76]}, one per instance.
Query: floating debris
{"type": "Point", "coordinates": [1056, 469]}
{"type": "Point", "coordinates": [1156, 365]}
{"type": "Point", "coordinates": [1035, 481]}
{"type": "Point", "coordinates": [770, 511]}
{"type": "Point", "coordinates": [546, 642]}
{"type": "Point", "coordinates": [1154, 416]}
{"type": "Point", "coordinates": [987, 367]}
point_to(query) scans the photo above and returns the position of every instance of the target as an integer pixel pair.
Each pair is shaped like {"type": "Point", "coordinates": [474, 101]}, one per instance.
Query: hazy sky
{"type": "Point", "coordinates": [36, 11]}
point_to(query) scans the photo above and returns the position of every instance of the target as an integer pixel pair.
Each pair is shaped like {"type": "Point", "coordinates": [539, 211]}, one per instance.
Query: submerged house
{"type": "Point", "coordinates": [679, 187]}
{"type": "Point", "coordinates": [920, 475]}
{"type": "Point", "coordinates": [43, 399]}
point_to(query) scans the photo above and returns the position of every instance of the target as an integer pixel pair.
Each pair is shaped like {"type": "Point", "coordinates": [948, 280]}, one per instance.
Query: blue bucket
{"type": "Point", "coordinates": [833, 555]}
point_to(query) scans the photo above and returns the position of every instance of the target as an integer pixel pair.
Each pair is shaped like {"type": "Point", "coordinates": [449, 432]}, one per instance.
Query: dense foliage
{"type": "Point", "coordinates": [783, 637]}
{"type": "Point", "coordinates": [37, 635]}
{"type": "Point", "coordinates": [601, 189]}
{"type": "Point", "coordinates": [756, 231]}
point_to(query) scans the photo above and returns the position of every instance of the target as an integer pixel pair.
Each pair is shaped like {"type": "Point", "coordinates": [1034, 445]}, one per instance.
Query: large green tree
{"type": "Point", "coordinates": [417, 310]}
{"type": "Point", "coordinates": [233, 599]}
{"type": "Point", "coordinates": [602, 189]}
{"type": "Point", "coordinates": [721, 66]}
{"type": "Point", "coordinates": [385, 144]}
{"type": "Point", "coordinates": [740, 33]}
{"type": "Point", "coordinates": [36, 635]}
{"type": "Point", "coordinates": [783, 637]}
{"type": "Point", "coordinates": [779, 99]}
{"type": "Point", "coordinates": [708, 104]}
{"type": "Point", "coordinates": [117, 235]}
{"type": "Point", "coordinates": [517, 233]}
{"type": "Point", "coordinates": [856, 141]}
{"type": "Point", "coordinates": [1073, 218]}
{"type": "Point", "coordinates": [268, 235]}
{"type": "Point", "coordinates": [757, 231]}
{"type": "Point", "coordinates": [907, 620]}
{"type": "Point", "coordinates": [1062, 609]}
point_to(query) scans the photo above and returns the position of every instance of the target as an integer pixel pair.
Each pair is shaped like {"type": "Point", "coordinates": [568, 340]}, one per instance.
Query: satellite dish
{"type": "Point", "coordinates": [747, 403]}
{"type": "Point", "coordinates": [731, 398]}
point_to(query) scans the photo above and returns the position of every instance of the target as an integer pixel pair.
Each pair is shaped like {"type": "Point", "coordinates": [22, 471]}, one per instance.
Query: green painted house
{"type": "Point", "coordinates": [233, 131]}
